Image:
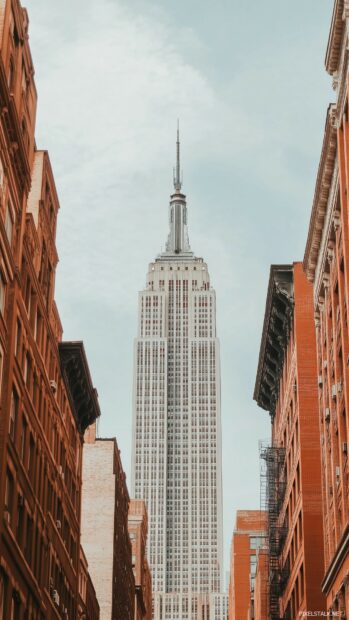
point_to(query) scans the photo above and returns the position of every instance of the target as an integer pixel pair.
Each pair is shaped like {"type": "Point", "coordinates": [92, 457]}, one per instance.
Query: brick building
{"type": "Point", "coordinates": [138, 531]}
{"type": "Point", "coordinates": [46, 395]}
{"type": "Point", "coordinates": [326, 262]}
{"type": "Point", "coordinates": [249, 535]}
{"type": "Point", "coordinates": [104, 527]}
{"type": "Point", "coordinates": [286, 386]}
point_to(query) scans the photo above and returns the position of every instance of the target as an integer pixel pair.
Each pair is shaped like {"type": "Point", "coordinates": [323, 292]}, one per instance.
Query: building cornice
{"type": "Point", "coordinates": [335, 40]}
{"type": "Point", "coordinates": [76, 373]}
{"type": "Point", "coordinates": [277, 325]}
{"type": "Point", "coordinates": [322, 191]}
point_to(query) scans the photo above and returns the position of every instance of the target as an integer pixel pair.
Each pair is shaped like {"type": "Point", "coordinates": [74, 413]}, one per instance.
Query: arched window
{"type": "Point", "coordinates": [11, 75]}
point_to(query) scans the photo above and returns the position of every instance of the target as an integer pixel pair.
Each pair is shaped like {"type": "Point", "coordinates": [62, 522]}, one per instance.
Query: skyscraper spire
{"type": "Point", "coordinates": [176, 428]}
{"type": "Point", "coordinates": [178, 240]}
{"type": "Point", "coordinates": [177, 173]}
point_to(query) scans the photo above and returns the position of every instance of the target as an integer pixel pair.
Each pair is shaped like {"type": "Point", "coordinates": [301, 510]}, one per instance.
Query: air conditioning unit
{"type": "Point", "coordinates": [319, 380]}
{"type": "Point", "coordinates": [345, 447]}
{"type": "Point", "coordinates": [327, 414]}
{"type": "Point", "coordinates": [58, 524]}
{"type": "Point", "coordinates": [334, 391]}
{"type": "Point", "coordinates": [325, 363]}
{"type": "Point", "coordinates": [338, 473]}
{"type": "Point", "coordinates": [55, 597]}
{"type": "Point", "coordinates": [53, 386]}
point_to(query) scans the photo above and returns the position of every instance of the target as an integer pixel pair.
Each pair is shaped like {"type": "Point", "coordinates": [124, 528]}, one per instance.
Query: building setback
{"type": "Point", "coordinates": [326, 262]}
{"type": "Point", "coordinates": [286, 387]}
{"type": "Point", "coordinates": [249, 534]}
{"type": "Point", "coordinates": [138, 531]}
{"type": "Point", "coordinates": [46, 394]}
{"type": "Point", "coordinates": [104, 527]}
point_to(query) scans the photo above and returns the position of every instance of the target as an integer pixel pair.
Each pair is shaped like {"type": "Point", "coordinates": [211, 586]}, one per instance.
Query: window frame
{"type": "Point", "coordinates": [3, 286]}
{"type": "Point", "coordinates": [10, 216]}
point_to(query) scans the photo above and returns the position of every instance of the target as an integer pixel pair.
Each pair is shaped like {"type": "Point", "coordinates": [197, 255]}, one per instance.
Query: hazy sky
{"type": "Point", "coordinates": [247, 81]}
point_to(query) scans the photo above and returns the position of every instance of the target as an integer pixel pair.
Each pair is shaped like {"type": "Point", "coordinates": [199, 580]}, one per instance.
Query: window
{"type": "Point", "coordinates": [2, 178]}
{"type": "Point", "coordinates": [24, 439]}
{"type": "Point", "coordinates": [301, 580]}
{"type": "Point", "coordinates": [18, 338]}
{"type": "Point", "coordinates": [20, 520]}
{"type": "Point", "coordinates": [31, 460]}
{"type": "Point", "coordinates": [15, 606]}
{"type": "Point", "coordinates": [9, 494]}
{"type": "Point", "coordinates": [1, 367]}
{"type": "Point", "coordinates": [25, 132]}
{"type": "Point", "coordinates": [2, 595]}
{"type": "Point", "coordinates": [13, 414]}
{"type": "Point", "coordinates": [11, 75]}
{"type": "Point", "coordinates": [2, 293]}
{"type": "Point", "coordinates": [9, 223]}
{"type": "Point", "coordinates": [29, 540]}
{"type": "Point", "coordinates": [253, 565]}
{"type": "Point", "coordinates": [25, 80]}
{"type": "Point", "coordinates": [256, 541]}
{"type": "Point", "coordinates": [28, 369]}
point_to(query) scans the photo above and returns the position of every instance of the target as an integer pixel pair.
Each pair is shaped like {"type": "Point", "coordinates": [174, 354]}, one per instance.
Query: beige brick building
{"type": "Point", "coordinates": [104, 532]}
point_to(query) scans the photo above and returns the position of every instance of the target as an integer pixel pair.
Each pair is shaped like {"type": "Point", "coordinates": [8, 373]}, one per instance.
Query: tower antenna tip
{"type": "Point", "coordinates": [177, 177]}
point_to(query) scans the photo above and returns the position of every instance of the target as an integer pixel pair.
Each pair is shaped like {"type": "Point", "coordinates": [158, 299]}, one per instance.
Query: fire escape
{"type": "Point", "coordinates": [273, 487]}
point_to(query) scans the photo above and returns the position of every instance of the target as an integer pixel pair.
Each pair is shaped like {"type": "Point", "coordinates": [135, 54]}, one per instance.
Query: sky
{"type": "Point", "coordinates": [247, 81]}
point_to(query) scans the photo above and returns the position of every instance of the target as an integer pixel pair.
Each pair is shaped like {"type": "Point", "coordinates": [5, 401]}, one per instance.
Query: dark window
{"type": "Point", "coordinates": [9, 492]}
{"type": "Point", "coordinates": [13, 414]}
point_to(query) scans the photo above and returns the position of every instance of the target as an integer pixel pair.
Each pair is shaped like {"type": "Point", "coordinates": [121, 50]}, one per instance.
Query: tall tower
{"type": "Point", "coordinates": [176, 464]}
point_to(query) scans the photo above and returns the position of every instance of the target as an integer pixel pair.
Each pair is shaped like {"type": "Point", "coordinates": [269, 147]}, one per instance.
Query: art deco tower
{"type": "Point", "coordinates": [177, 428]}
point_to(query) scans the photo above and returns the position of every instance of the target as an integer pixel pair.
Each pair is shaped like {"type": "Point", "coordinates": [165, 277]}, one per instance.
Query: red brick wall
{"type": "Point", "coordinates": [248, 523]}
{"type": "Point", "coordinates": [296, 429]}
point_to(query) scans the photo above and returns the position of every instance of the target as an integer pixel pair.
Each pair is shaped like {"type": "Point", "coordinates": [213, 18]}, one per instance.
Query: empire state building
{"type": "Point", "coordinates": [176, 461]}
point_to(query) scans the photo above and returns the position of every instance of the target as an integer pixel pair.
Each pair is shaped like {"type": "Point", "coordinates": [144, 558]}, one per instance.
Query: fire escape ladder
{"type": "Point", "coordinates": [273, 487]}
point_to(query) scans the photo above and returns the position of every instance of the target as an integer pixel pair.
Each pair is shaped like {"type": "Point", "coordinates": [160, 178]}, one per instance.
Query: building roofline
{"type": "Point", "coordinates": [76, 373]}
{"type": "Point", "coordinates": [321, 195]}
{"type": "Point", "coordinates": [335, 39]}
{"type": "Point", "coordinates": [278, 318]}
